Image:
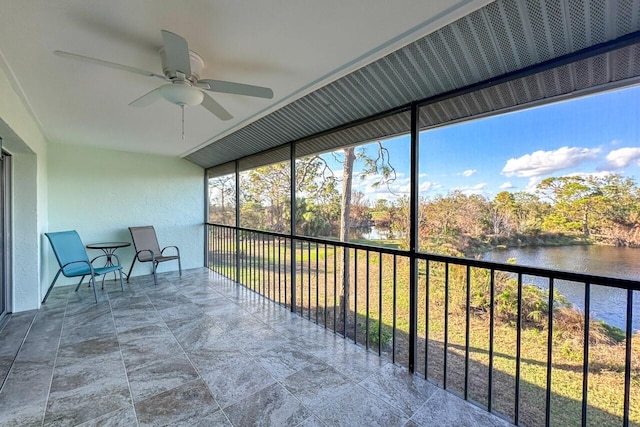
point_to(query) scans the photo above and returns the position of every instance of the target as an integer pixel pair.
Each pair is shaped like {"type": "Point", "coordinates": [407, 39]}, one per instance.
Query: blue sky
{"type": "Point", "coordinates": [598, 134]}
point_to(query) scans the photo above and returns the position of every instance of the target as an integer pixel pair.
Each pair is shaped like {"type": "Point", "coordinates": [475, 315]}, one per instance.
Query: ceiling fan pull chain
{"type": "Point", "coordinates": [182, 108]}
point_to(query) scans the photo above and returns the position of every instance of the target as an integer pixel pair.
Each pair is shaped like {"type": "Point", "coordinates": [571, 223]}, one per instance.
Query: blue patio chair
{"type": "Point", "coordinates": [74, 262]}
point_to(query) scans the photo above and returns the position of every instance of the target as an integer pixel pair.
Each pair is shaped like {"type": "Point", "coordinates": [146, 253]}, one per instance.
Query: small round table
{"type": "Point", "coordinates": [109, 248]}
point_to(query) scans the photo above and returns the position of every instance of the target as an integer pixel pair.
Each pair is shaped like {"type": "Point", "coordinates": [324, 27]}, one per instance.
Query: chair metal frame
{"type": "Point", "coordinates": [155, 260]}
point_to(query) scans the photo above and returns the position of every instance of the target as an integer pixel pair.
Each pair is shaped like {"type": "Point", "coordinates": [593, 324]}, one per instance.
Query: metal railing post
{"type": "Point", "coordinates": [237, 222]}
{"type": "Point", "coordinates": [207, 253]}
{"type": "Point", "coordinates": [413, 240]}
{"type": "Point", "coordinates": [292, 152]}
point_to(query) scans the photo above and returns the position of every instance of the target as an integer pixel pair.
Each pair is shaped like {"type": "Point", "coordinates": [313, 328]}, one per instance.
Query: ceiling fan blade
{"type": "Point", "coordinates": [238, 88]}
{"type": "Point", "coordinates": [107, 64]}
{"type": "Point", "coordinates": [177, 51]}
{"type": "Point", "coordinates": [215, 108]}
{"type": "Point", "coordinates": [148, 98]}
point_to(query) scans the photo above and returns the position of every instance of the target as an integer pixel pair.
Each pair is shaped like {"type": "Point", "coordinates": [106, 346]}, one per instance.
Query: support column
{"type": "Point", "coordinates": [413, 239]}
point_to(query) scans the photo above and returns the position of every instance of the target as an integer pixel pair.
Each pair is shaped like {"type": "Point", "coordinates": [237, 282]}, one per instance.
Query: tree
{"type": "Point", "coordinates": [269, 188]}
{"type": "Point", "coordinates": [471, 214]}
{"type": "Point", "coordinates": [622, 210]}
{"type": "Point", "coordinates": [438, 216]}
{"type": "Point", "coordinates": [377, 165]}
{"type": "Point", "coordinates": [400, 218]}
{"type": "Point", "coordinates": [318, 197]}
{"type": "Point", "coordinates": [502, 213]}
{"type": "Point", "coordinates": [222, 199]}
{"type": "Point", "coordinates": [529, 212]}
{"type": "Point", "coordinates": [360, 214]}
{"type": "Point", "coordinates": [576, 201]}
{"type": "Point", "coordinates": [310, 219]}
{"type": "Point", "coordinates": [345, 210]}
{"type": "Point", "coordinates": [623, 197]}
{"type": "Point", "coordinates": [381, 213]}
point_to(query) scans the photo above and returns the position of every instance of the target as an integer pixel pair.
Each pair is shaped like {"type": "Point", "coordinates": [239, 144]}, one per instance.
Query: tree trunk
{"type": "Point", "coordinates": [585, 223]}
{"type": "Point", "coordinates": [345, 210]}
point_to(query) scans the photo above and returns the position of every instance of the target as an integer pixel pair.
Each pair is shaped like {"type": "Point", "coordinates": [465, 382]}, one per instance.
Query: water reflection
{"type": "Point", "coordinates": [608, 304]}
{"type": "Point", "coordinates": [374, 233]}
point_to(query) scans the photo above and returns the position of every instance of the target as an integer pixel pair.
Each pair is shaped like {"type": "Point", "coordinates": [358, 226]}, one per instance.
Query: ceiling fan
{"type": "Point", "coordinates": [181, 68]}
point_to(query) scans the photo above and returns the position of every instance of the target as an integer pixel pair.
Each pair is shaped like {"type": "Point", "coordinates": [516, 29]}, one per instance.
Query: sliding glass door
{"type": "Point", "coordinates": [5, 161]}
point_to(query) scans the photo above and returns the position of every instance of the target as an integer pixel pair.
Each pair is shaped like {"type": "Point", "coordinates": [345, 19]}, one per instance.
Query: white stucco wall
{"type": "Point", "coordinates": [101, 192]}
{"type": "Point", "coordinates": [95, 191]}
{"type": "Point", "coordinates": [24, 140]}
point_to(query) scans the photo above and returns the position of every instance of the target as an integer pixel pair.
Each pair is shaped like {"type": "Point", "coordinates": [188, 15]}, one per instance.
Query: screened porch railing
{"type": "Point", "coordinates": [482, 330]}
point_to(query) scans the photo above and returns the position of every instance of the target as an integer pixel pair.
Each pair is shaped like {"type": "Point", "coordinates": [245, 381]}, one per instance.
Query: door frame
{"type": "Point", "coordinates": [6, 234]}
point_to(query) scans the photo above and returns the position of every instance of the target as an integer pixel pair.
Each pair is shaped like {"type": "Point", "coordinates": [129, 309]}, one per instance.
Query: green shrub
{"type": "Point", "coordinates": [535, 303]}
{"type": "Point", "coordinates": [374, 331]}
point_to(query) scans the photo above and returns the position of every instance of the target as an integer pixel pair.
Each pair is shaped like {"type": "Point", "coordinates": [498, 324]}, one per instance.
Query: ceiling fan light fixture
{"type": "Point", "coordinates": [182, 94]}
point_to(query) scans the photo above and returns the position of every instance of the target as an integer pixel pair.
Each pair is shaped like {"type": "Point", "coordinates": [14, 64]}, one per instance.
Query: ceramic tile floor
{"type": "Point", "coordinates": [199, 350]}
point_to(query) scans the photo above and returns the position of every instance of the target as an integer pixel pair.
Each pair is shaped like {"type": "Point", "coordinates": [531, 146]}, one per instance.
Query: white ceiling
{"type": "Point", "coordinates": [291, 46]}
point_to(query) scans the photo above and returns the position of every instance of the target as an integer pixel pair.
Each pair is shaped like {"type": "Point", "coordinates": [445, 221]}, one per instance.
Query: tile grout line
{"type": "Point", "coordinates": [386, 401]}
{"type": "Point", "coordinates": [124, 366]}
{"type": "Point", "coordinates": [164, 391]}
{"type": "Point", "coordinates": [276, 381]}
{"type": "Point", "coordinates": [230, 299]}
{"type": "Point", "coordinates": [288, 333]}
{"type": "Point", "coordinates": [55, 359]}
{"type": "Point", "coordinates": [279, 382]}
{"type": "Point", "coordinates": [189, 359]}
{"type": "Point", "coordinates": [314, 415]}
{"type": "Point", "coordinates": [410, 416]}
{"type": "Point", "coordinates": [4, 381]}
{"type": "Point", "coordinates": [198, 371]}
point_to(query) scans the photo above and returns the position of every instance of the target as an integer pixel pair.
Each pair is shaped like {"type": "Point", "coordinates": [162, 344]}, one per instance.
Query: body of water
{"type": "Point", "coordinates": [374, 233]}
{"type": "Point", "coordinates": [608, 304]}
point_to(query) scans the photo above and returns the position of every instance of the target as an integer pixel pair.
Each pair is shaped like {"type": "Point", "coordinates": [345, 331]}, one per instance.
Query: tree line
{"type": "Point", "coordinates": [603, 209]}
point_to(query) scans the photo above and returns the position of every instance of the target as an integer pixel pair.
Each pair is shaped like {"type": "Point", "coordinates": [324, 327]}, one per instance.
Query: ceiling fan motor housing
{"type": "Point", "coordinates": [195, 60]}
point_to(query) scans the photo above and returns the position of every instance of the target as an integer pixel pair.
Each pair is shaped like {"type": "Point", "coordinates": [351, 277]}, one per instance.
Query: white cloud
{"type": "Point", "coordinates": [478, 186]}
{"type": "Point", "coordinates": [469, 172]}
{"type": "Point", "coordinates": [364, 182]}
{"type": "Point", "coordinates": [402, 189]}
{"type": "Point", "coordinates": [506, 185]}
{"type": "Point", "coordinates": [533, 182]}
{"type": "Point", "coordinates": [390, 191]}
{"type": "Point", "coordinates": [426, 186]}
{"type": "Point", "coordinates": [473, 189]}
{"type": "Point", "coordinates": [600, 174]}
{"type": "Point", "coordinates": [547, 162]}
{"type": "Point", "coordinates": [382, 195]}
{"type": "Point", "coordinates": [622, 157]}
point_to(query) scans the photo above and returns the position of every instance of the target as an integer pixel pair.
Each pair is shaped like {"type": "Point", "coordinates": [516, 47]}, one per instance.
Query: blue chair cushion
{"type": "Point", "coordinates": [72, 256]}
